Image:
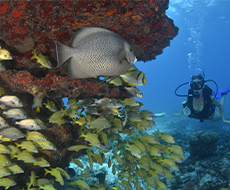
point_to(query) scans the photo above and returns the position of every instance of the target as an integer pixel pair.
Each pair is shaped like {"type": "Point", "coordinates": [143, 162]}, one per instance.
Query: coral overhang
{"type": "Point", "coordinates": [28, 25]}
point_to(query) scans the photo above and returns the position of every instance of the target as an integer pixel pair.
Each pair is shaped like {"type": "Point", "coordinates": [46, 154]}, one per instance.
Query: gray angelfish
{"type": "Point", "coordinates": [95, 52]}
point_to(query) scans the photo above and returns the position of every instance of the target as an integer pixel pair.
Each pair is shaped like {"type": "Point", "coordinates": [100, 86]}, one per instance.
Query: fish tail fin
{"type": "Point", "coordinates": [37, 104]}
{"type": "Point", "coordinates": [37, 109]}
{"type": "Point", "coordinates": [17, 145]}
{"type": "Point", "coordinates": [65, 111]}
{"type": "Point", "coordinates": [63, 53]}
{"type": "Point", "coordinates": [126, 144]}
{"type": "Point", "coordinates": [13, 156]}
{"type": "Point", "coordinates": [46, 171]}
{"type": "Point", "coordinates": [158, 133]}
{"type": "Point", "coordinates": [82, 135]}
{"type": "Point", "coordinates": [28, 185]}
{"type": "Point", "coordinates": [34, 55]}
{"type": "Point", "coordinates": [104, 81]}
{"type": "Point", "coordinates": [120, 100]}
{"type": "Point", "coordinates": [90, 153]}
{"type": "Point", "coordinates": [140, 136]}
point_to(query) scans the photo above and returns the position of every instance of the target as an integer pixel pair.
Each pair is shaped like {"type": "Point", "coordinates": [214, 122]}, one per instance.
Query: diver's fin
{"type": "Point", "coordinates": [218, 94]}
{"type": "Point", "coordinates": [63, 53]}
{"type": "Point", "coordinates": [75, 70]}
{"type": "Point", "coordinates": [226, 91]}
{"type": "Point", "coordinates": [221, 93]}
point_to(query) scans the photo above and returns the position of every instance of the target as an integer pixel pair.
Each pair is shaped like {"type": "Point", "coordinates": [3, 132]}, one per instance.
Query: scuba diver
{"type": "Point", "coordinates": [202, 101]}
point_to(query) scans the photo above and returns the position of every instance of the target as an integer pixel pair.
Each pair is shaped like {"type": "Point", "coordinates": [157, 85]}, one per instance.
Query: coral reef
{"type": "Point", "coordinates": [203, 144]}
{"type": "Point", "coordinates": [142, 23]}
{"type": "Point", "coordinates": [195, 169]}
{"type": "Point", "coordinates": [189, 186]}
{"type": "Point", "coordinates": [35, 25]}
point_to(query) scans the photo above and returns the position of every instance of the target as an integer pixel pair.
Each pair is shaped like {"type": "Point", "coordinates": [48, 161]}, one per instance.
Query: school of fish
{"type": "Point", "coordinates": [143, 157]}
{"type": "Point", "coordinates": [101, 121]}
{"type": "Point", "coordinates": [18, 145]}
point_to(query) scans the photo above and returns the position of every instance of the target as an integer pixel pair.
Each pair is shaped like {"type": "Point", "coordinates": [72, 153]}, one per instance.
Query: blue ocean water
{"type": "Point", "coordinates": [201, 44]}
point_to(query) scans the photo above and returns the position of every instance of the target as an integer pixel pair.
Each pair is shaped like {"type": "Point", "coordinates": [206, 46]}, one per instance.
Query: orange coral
{"type": "Point", "coordinates": [3, 8]}
{"type": "Point", "coordinates": [16, 13]}
{"type": "Point", "coordinates": [136, 18]}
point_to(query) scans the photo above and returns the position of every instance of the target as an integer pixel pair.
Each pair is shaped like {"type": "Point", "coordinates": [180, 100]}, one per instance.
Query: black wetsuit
{"type": "Point", "coordinates": [209, 108]}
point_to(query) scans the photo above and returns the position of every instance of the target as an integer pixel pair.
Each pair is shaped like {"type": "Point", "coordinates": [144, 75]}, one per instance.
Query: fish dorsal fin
{"type": "Point", "coordinates": [85, 32]}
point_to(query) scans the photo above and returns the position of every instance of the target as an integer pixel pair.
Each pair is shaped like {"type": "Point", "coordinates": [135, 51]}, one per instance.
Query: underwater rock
{"type": "Point", "coordinates": [189, 186]}
{"type": "Point", "coordinates": [205, 179]}
{"type": "Point", "coordinates": [101, 177]}
{"type": "Point", "coordinates": [29, 25]}
{"type": "Point", "coordinates": [71, 172]}
{"type": "Point", "coordinates": [203, 144]}
{"type": "Point", "coordinates": [58, 87]}
{"type": "Point", "coordinates": [142, 23]}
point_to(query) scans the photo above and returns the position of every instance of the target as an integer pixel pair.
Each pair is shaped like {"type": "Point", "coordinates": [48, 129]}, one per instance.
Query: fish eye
{"type": "Point", "coordinates": [131, 50]}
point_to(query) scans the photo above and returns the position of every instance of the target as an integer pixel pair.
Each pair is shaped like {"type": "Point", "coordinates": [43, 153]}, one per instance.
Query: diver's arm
{"type": "Point", "coordinates": [221, 108]}
{"type": "Point", "coordinates": [183, 110]}
{"type": "Point", "coordinates": [178, 114]}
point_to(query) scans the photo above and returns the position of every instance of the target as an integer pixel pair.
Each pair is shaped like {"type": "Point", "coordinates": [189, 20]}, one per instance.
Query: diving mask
{"type": "Point", "coordinates": [196, 85]}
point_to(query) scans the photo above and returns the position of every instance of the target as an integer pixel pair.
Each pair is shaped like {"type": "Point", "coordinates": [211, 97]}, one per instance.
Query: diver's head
{"type": "Point", "coordinates": [199, 76]}
{"type": "Point", "coordinates": [197, 82]}
{"type": "Point", "coordinates": [197, 85]}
